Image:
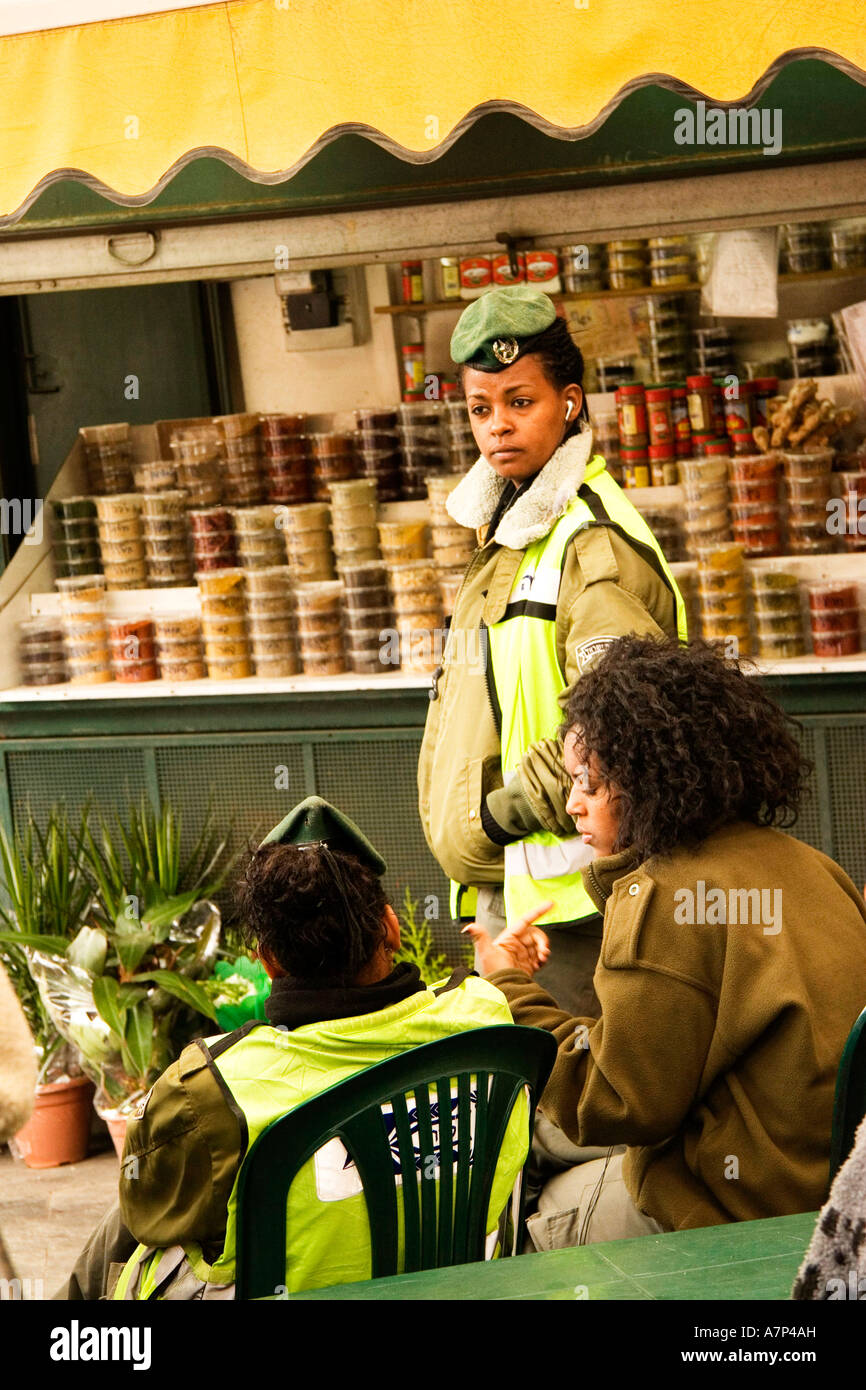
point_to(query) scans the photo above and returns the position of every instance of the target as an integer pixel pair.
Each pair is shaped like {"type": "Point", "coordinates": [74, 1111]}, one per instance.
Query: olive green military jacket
{"type": "Point", "coordinates": [608, 590]}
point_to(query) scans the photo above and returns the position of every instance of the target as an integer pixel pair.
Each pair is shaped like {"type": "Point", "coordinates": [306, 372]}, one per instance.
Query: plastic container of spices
{"type": "Point", "coordinates": [413, 371]}
{"type": "Point", "coordinates": [635, 467]}
{"type": "Point", "coordinates": [449, 277]}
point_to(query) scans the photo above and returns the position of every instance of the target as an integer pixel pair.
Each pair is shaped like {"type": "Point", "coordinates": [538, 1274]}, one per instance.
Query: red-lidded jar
{"type": "Point", "coordinates": [658, 409]}
{"type": "Point", "coordinates": [413, 371]}
{"type": "Point", "coordinates": [663, 465]}
{"type": "Point", "coordinates": [742, 444]}
{"type": "Point", "coordinates": [738, 411]}
{"type": "Point", "coordinates": [717, 449]}
{"type": "Point", "coordinates": [719, 384]}
{"type": "Point", "coordinates": [631, 417]}
{"type": "Point", "coordinates": [763, 388]}
{"type": "Point", "coordinates": [635, 467]}
{"type": "Point", "coordinates": [700, 443]}
{"type": "Point", "coordinates": [413, 282]}
{"type": "Point", "coordinates": [699, 396]}
{"type": "Point", "coordinates": [680, 420]}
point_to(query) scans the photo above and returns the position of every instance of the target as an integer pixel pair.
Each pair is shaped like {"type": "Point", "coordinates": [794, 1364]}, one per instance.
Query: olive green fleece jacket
{"type": "Point", "coordinates": [608, 590]}
{"type": "Point", "coordinates": [714, 1060]}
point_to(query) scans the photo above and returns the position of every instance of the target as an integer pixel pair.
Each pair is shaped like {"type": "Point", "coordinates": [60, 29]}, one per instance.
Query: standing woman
{"type": "Point", "coordinates": [566, 565]}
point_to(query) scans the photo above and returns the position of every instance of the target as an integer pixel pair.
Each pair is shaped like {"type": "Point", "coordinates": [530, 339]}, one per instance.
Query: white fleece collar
{"type": "Point", "coordinates": [474, 500]}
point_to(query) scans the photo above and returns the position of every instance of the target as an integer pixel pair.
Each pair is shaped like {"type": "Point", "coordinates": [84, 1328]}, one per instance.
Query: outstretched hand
{"type": "Point", "coordinates": [521, 947]}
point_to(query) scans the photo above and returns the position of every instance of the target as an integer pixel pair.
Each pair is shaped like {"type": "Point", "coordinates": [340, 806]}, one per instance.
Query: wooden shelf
{"type": "Point", "coordinates": [435, 306]}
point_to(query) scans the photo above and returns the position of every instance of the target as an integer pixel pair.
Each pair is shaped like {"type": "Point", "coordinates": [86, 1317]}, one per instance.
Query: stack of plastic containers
{"type": "Point", "coordinates": [626, 264]}
{"type": "Point", "coordinates": [332, 460]}
{"type": "Point", "coordinates": [834, 615]}
{"type": "Point", "coordinates": [804, 247]}
{"type": "Point", "coordinates": [807, 488]}
{"type": "Point", "coordinates": [848, 246]}
{"type": "Point", "coordinates": [423, 445]}
{"type": "Point", "coordinates": [76, 540]}
{"type": "Point", "coordinates": [851, 480]}
{"type": "Point", "coordinates": [756, 517]}
{"type": "Point", "coordinates": [259, 537]}
{"type": "Point", "coordinates": [132, 648]}
{"type": "Point", "coordinates": [107, 457]}
{"type": "Point", "coordinates": [213, 539]}
{"type": "Point", "coordinates": [354, 511]}
{"type": "Point", "coordinates": [453, 545]}
{"type": "Point", "coordinates": [197, 451]}
{"type": "Point", "coordinates": [308, 542]}
{"type": "Point", "coordinates": [462, 449]}
{"type": "Point", "coordinates": [778, 615]}
{"type": "Point", "coordinates": [41, 652]}
{"type": "Point", "coordinates": [705, 484]}
{"type": "Point", "coordinates": [284, 446]}
{"type": "Point", "coordinates": [271, 622]}
{"type": "Point", "coordinates": [670, 261]}
{"type": "Point", "coordinates": [82, 609]}
{"type": "Point", "coordinates": [722, 604]}
{"type": "Point", "coordinates": [121, 543]}
{"type": "Point", "coordinates": [368, 623]}
{"type": "Point", "coordinates": [712, 351]}
{"type": "Point", "coordinates": [320, 628]}
{"type": "Point", "coordinates": [243, 477]}
{"type": "Point", "coordinates": [666, 320]}
{"type": "Point", "coordinates": [158, 476]}
{"type": "Point", "coordinates": [377, 443]}
{"type": "Point", "coordinates": [166, 538]}
{"type": "Point", "coordinates": [179, 647]}
{"type": "Point", "coordinates": [223, 623]}
{"type": "Point", "coordinates": [417, 602]}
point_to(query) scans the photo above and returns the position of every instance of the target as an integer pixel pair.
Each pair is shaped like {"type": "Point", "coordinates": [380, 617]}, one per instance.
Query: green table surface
{"type": "Point", "coordinates": [746, 1260]}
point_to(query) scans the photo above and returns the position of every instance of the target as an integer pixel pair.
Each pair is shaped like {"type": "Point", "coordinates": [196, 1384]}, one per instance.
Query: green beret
{"type": "Point", "coordinates": [501, 326]}
{"type": "Point", "coordinates": [316, 822]}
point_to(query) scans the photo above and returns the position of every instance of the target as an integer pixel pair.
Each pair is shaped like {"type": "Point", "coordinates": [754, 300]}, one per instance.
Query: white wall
{"type": "Point", "coordinates": [332, 380]}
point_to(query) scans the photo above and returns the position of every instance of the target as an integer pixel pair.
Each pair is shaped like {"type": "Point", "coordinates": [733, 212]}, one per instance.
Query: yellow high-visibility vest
{"type": "Point", "coordinates": [528, 680]}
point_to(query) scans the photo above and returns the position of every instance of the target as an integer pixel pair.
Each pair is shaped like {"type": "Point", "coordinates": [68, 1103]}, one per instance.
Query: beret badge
{"type": "Point", "coordinates": [505, 350]}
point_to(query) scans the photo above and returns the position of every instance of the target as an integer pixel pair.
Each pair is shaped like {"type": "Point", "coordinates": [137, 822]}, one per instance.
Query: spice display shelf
{"type": "Point", "coordinates": [196, 690]}
{"type": "Point", "coordinates": [437, 305]}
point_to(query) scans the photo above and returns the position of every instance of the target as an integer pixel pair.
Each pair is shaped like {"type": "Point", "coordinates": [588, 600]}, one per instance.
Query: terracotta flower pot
{"type": "Point", "coordinates": [59, 1128]}
{"type": "Point", "coordinates": [117, 1130]}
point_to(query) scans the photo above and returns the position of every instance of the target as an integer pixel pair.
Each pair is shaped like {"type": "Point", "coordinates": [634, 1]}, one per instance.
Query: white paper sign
{"type": "Point", "coordinates": [743, 275]}
{"type": "Point", "coordinates": [854, 321]}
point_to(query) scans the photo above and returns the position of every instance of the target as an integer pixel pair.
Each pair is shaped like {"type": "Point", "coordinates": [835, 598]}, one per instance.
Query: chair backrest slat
{"type": "Point", "coordinates": [447, 1158]}
{"type": "Point", "coordinates": [427, 1175]}
{"type": "Point", "coordinates": [411, 1205]}
{"type": "Point", "coordinates": [445, 1219]}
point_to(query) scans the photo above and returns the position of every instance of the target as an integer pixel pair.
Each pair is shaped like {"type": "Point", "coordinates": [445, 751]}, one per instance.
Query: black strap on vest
{"type": "Point", "coordinates": [456, 979]}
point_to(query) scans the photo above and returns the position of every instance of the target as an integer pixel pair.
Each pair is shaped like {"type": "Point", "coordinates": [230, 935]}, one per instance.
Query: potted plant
{"type": "Point", "coordinates": [125, 989]}
{"type": "Point", "coordinates": [46, 896]}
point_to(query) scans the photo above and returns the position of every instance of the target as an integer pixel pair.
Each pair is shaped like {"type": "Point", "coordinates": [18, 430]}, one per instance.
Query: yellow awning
{"type": "Point", "coordinates": [263, 84]}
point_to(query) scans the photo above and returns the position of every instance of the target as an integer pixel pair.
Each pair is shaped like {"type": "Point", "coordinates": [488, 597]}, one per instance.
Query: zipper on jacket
{"type": "Point", "coordinates": [492, 696]}
{"type": "Point", "coordinates": [589, 871]}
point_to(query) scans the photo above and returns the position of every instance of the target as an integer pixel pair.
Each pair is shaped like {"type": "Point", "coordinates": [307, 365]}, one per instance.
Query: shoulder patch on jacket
{"type": "Point", "coordinates": [588, 651]}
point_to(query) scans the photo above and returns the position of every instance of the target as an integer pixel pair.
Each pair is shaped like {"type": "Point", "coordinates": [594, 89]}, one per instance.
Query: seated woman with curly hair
{"type": "Point", "coordinates": [733, 960]}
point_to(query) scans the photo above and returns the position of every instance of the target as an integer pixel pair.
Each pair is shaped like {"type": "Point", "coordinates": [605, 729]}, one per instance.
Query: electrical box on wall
{"type": "Point", "coordinates": [324, 308]}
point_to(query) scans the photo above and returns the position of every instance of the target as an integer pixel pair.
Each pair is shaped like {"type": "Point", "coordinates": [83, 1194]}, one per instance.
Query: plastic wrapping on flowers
{"type": "Point", "coordinates": [127, 1000]}
{"type": "Point", "coordinates": [238, 990]}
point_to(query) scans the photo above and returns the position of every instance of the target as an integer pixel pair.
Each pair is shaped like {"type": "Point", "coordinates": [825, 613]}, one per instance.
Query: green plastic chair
{"type": "Point", "coordinates": [849, 1105]}
{"type": "Point", "coordinates": [502, 1060]}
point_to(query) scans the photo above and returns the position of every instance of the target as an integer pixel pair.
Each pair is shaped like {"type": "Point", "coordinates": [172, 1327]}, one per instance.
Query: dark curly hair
{"type": "Point", "coordinates": [316, 912]}
{"type": "Point", "coordinates": [561, 361]}
{"type": "Point", "coordinates": [688, 741]}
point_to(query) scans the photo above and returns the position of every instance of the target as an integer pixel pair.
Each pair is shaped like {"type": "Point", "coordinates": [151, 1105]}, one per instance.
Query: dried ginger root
{"type": "Point", "coordinates": [761, 436]}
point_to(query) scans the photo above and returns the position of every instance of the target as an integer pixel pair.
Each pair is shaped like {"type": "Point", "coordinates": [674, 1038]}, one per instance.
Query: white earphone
{"type": "Point", "coordinates": [568, 409]}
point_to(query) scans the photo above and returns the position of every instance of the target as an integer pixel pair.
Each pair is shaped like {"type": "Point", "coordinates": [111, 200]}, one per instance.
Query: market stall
{"type": "Point", "coordinates": [201, 661]}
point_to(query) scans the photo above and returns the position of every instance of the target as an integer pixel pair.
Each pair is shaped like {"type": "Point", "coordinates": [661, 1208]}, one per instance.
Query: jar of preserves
{"type": "Point", "coordinates": [699, 396]}
{"type": "Point", "coordinates": [476, 274]}
{"type": "Point", "coordinates": [631, 415]}
{"type": "Point", "coordinates": [635, 467]}
{"type": "Point", "coordinates": [658, 409]}
{"type": "Point", "coordinates": [449, 277]}
{"type": "Point", "coordinates": [413, 282]}
{"type": "Point", "coordinates": [502, 269]}
{"type": "Point", "coordinates": [663, 465]}
{"type": "Point", "coordinates": [413, 371]}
